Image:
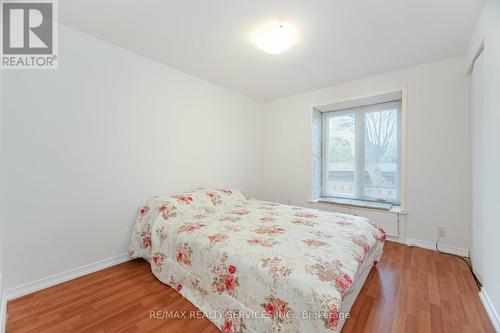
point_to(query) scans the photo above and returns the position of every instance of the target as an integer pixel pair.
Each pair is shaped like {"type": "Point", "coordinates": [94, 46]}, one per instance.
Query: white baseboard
{"type": "Point", "coordinates": [442, 247]}
{"type": "Point", "coordinates": [52, 280]}
{"type": "Point", "coordinates": [55, 279]}
{"type": "Point", "coordinates": [396, 239]}
{"type": "Point", "coordinates": [74, 273]}
{"type": "Point", "coordinates": [490, 309]}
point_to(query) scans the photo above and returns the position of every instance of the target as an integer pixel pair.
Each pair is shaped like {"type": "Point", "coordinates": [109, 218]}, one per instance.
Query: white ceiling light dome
{"type": "Point", "coordinates": [276, 37]}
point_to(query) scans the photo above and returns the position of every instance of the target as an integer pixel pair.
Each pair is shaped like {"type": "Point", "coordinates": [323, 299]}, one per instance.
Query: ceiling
{"type": "Point", "coordinates": [340, 40]}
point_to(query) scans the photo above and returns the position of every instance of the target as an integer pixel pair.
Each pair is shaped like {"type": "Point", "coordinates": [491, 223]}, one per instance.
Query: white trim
{"type": "Point", "coordinates": [3, 312]}
{"type": "Point", "coordinates": [442, 247]}
{"type": "Point", "coordinates": [399, 93]}
{"type": "Point", "coordinates": [395, 239]}
{"type": "Point", "coordinates": [403, 162]}
{"type": "Point", "coordinates": [359, 154]}
{"type": "Point", "coordinates": [396, 209]}
{"type": "Point", "coordinates": [360, 102]}
{"type": "Point", "coordinates": [324, 152]}
{"type": "Point", "coordinates": [58, 278]}
{"type": "Point", "coordinates": [490, 309]}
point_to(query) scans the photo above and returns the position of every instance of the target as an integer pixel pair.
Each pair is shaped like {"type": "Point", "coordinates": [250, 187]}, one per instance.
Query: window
{"type": "Point", "coordinates": [361, 152]}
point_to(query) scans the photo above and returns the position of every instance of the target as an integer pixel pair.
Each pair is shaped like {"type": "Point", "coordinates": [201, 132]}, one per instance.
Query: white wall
{"type": "Point", "coordinates": [1, 196]}
{"type": "Point", "coordinates": [438, 191]}
{"type": "Point", "coordinates": [485, 118]}
{"type": "Point", "coordinates": [85, 145]}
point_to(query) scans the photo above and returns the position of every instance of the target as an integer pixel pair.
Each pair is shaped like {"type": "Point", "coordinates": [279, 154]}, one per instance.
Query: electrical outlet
{"type": "Point", "coordinates": [441, 232]}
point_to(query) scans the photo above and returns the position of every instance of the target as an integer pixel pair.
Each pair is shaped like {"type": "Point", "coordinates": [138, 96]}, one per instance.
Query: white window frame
{"type": "Point", "coordinates": [347, 107]}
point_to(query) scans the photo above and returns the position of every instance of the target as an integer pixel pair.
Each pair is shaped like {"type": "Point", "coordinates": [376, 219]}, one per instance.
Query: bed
{"type": "Point", "coordinates": [256, 266]}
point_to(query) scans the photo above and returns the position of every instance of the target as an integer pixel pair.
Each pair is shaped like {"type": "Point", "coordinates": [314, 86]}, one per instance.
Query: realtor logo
{"type": "Point", "coordinates": [28, 34]}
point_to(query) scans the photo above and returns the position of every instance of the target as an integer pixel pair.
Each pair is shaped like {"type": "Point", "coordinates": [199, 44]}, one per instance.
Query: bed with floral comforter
{"type": "Point", "coordinates": [255, 266]}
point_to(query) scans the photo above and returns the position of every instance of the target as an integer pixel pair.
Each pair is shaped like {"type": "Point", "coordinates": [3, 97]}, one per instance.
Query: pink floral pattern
{"type": "Point", "coordinates": [191, 227]}
{"type": "Point", "coordinates": [227, 252]}
{"type": "Point", "coordinates": [276, 267]}
{"type": "Point", "coordinates": [167, 211]}
{"type": "Point", "coordinates": [184, 253]}
{"type": "Point", "coordinates": [216, 238]}
{"type": "Point", "coordinates": [215, 198]}
{"type": "Point", "coordinates": [314, 243]}
{"type": "Point", "coordinates": [240, 212]}
{"type": "Point", "coordinates": [262, 242]}
{"type": "Point", "coordinates": [161, 233]}
{"type": "Point", "coordinates": [332, 318]}
{"type": "Point", "coordinates": [225, 191]}
{"type": "Point", "coordinates": [305, 215]}
{"type": "Point", "coordinates": [271, 231]}
{"type": "Point", "coordinates": [158, 258]}
{"type": "Point", "coordinates": [146, 238]}
{"type": "Point", "coordinates": [329, 271]}
{"type": "Point", "coordinates": [144, 210]}
{"type": "Point", "coordinates": [225, 279]}
{"type": "Point", "coordinates": [267, 219]}
{"type": "Point", "coordinates": [361, 241]}
{"type": "Point", "coordinates": [278, 310]}
{"type": "Point", "coordinates": [303, 222]}
{"type": "Point", "coordinates": [230, 218]}
{"type": "Point", "coordinates": [232, 323]}
{"type": "Point", "coordinates": [184, 198]}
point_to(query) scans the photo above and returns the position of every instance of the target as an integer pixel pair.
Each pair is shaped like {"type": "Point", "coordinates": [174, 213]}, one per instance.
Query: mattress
{"type": "Point", "coordinates": [256, 266]}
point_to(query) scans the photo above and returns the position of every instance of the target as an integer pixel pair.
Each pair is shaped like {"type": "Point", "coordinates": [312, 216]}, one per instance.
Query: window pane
{"type": "Point", "coordinates": [381, 175]}
{"type": "Point", "coordinates": [340, 152]}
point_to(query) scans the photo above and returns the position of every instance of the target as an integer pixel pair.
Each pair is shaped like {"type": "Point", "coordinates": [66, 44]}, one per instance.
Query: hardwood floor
{"type": "Point", "coordinates": [411, 290]}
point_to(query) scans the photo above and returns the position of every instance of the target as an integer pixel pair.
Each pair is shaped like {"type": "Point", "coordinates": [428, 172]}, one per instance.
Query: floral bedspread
{"type": "Point", "coordinates": [254, 266]}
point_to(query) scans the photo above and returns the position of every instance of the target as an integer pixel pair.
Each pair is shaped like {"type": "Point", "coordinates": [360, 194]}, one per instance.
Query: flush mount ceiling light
{"type": "Point", "coordinates": [275, 38]}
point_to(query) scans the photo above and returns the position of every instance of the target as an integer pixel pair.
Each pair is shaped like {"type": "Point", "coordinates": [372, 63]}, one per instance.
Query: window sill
{"type": "Point", "coordinates": [363, 204]}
